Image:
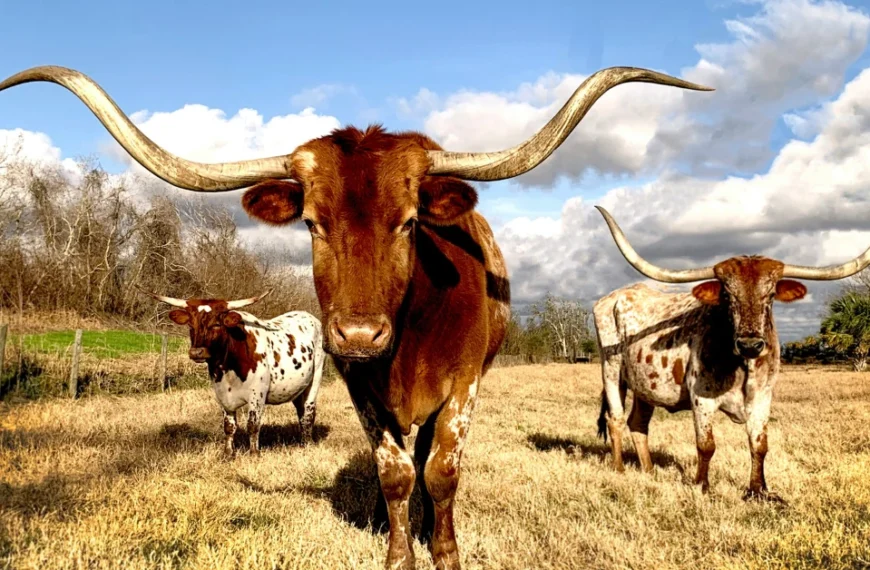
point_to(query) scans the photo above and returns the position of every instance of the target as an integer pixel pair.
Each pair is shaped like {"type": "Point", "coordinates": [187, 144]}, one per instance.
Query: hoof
{"type": "Point", "coordinates": [764, 496]}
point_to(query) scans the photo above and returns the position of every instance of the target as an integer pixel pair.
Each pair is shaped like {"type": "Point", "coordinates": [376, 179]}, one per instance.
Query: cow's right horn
{"type": "Point", "coordinates": [647, 268]}
{"type": "Point", "coordinates": [175, 170]}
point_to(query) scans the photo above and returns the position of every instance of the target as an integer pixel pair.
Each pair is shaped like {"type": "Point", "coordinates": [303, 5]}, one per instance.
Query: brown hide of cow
{"type": "Point", "coordinates": [219, 338]}
{"type": "Point", "coordinates": [415, 303]}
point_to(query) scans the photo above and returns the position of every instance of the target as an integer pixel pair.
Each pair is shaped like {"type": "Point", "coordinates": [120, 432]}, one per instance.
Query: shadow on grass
{"type": "Point", "coordinates": [63, 495]}
{"type": "Point", "coordinates": [355, 496]}
{"type": "Point", "coordinates": [599, 449]}
{"type": "Point", "coordinates": [274, 436]}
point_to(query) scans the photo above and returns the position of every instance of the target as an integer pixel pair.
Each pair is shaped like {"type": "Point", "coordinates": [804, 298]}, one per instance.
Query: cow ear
{"type": "Point", "coordinates": [179, 316]}
{"type": "Point", "coordinates": [788, 290]}
{"type": "Point", "coordinates": [708, 292]}
{"type": "Point", "coordinates": [232, 319]}
{"type": "Point", "coordinates": [276, 202]}
{"type": "Point", "coordinates": [444, 200]}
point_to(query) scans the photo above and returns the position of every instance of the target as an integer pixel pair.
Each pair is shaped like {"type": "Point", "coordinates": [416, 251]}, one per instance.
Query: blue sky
{"type": "Point", "coordinates": [260, 54]}
{"type": "Point", "coordinates": [270, 56]}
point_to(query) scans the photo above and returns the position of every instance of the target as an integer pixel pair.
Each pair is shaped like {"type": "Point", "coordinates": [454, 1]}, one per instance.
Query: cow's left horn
{"type": "Point", "coordinates": [831, 272]}
{"type": "Point", "coordinates": [487, 166]}
{"type": "Point", "coordinates": [245, 302]}
{"type": "Point", "coordinates": [647, 268]}
{"type": "Point", "coordinates": [175, 170]}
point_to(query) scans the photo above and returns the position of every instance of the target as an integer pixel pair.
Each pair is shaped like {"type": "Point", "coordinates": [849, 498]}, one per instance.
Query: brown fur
{"type": "Point", "coordinates": [402, 256]}
{"type": "Point", "coordinates": [219, 337]}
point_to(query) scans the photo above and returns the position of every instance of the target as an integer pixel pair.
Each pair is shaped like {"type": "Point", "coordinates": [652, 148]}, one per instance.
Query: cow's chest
{"type": "Point", "coordinates": [232, 393]}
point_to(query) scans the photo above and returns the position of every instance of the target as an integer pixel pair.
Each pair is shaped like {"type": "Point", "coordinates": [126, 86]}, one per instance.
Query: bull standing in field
{"type": "Point", "coordinates": [254, 362]}
{"type": "Point", "coordinates": [412, 286]}
{"type": "Point", "coordinates": [715, 348]}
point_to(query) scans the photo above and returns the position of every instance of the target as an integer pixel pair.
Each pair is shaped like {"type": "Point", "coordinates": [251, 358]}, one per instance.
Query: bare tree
{"type": "Point", "coordinates": [567, 323]}
{"type": "Point", "coordinates": [87, 243]}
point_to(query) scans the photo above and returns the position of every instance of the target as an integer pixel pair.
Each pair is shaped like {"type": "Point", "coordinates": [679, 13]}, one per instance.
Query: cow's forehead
{"type": "Point", "coordinates": [750, 269]}
{"type": "Point", "coordinates": [370, 172]}
{"type": "Point", "coordinates": [207, 306]}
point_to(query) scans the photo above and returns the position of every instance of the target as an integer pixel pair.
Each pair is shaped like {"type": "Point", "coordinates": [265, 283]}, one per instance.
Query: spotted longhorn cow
{"type": "Point", "coordinates": [413, 288]}
{"type": "Point", "coordinates": [714, 348]}
{"type": "Point", "coordinates": [254, 362]}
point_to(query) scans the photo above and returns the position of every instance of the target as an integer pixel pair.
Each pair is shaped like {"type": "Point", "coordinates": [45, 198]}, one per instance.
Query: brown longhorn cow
{"type": "Point", "coordinates": [413, 288]}
{"type": "Point", "coordinates": [714, 348]}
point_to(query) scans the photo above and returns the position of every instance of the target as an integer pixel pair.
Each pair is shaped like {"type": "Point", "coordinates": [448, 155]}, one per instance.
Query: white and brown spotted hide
{"type": "Point", "coordinates": [680, 351]}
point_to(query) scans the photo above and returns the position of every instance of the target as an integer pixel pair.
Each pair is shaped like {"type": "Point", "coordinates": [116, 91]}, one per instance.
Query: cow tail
{"type": "Point", "coordinates": [602, 417]}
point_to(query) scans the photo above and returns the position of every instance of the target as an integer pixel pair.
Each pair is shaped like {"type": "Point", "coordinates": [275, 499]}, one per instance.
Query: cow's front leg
{"type": "Point", "coordinates": [442, 469]}
{"type": "Point", "coordinates": [396, 474]}
{"type": "Point", "coordinates": [704, 410]}
{"type": "Point", "coordinates": [756, 429]}
{"type": "Point", "coordinates": [229, 432]}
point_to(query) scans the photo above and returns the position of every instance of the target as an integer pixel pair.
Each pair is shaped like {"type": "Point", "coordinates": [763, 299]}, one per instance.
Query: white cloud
{"type": "Point", "coordinates": [196, 132]}
{"type": "Point", "coordinates": [37, 150]}
{"type": "Point", "coordinates": [786, 57]}
{"type": "Point", "coordinates": [811, 207]}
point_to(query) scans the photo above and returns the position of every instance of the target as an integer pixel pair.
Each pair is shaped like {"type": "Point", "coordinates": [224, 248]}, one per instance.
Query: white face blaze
{"type": "Point", "coordinates": [204, 309]}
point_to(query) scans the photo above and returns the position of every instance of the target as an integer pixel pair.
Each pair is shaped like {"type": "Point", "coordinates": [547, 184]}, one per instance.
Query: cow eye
{"type": "Point", "coordinates": [312, 227]}
{"type": "Point", "coordinates": [408, 225]}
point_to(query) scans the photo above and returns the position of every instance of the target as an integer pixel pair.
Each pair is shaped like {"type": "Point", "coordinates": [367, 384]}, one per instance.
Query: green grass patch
{"type": "Point", "coordinates": [104, 344]}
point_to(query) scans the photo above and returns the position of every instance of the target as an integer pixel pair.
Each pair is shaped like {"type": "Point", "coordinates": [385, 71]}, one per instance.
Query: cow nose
{"type": "Point", "coordinates": [361, 335]}
{"type": "Point", "coordinates": [198, 354]}
{"type": "Point", "coordinates": [750, 346]}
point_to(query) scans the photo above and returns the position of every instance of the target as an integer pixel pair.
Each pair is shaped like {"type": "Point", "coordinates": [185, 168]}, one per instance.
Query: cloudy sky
{"type": "Point", "coordinates": [776, 161]}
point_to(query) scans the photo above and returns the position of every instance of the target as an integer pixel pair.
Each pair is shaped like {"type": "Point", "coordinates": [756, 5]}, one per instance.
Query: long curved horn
{"type": "Point", "coordinates": [177, 171]}
{"type": "Point", "coordinates": [647, 268]}
{"type": "Point", "coordinates": [831, 272]}
{"type": "Point", "coordinates": [171, 300]}
{"type": "Point", "coordinates": [245, 302]}
{"type": "Point", "coordinates": [487, 166]}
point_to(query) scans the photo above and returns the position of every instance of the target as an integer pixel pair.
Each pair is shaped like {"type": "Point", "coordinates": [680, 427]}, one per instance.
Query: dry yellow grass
{"type": "Point", "coordinates": [139, 482]}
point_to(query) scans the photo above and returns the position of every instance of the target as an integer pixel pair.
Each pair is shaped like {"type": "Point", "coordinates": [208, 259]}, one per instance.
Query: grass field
{"type": "Point", "coordinates": [102, 344]}
{"type": "Point", "coordinates": [139, 482]}
{"type": "Point", "coordinates": [112, 361]}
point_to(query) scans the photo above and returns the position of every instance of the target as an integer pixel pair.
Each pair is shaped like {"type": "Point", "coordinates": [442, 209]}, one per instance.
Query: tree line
{"type": "Point", "coordinates": [844, 334]}
{"type": "Point", "coordinates": [90, 244]}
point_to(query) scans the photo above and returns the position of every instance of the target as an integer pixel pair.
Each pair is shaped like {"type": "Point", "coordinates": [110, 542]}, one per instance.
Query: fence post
{"type": "Point", "coordinates": [163, 354]}
{"type": "Point", "coordinates": [20, 371]}
{"type": "Point", "coordinates": [3, 328]}
{"type": "Point", "coordinates": [74, 372]}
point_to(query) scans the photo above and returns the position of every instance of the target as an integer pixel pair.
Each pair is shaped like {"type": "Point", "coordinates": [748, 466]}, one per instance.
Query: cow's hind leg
{"type": "Point", "coordinates": [306, 411]}
{"type": "Point", "coordinates": [255, 420]}
{"type": "Point", "coordinates": [442, 471]}
{"type": "Point", "coordinates": [638, 425]}
{"type": "Point", "coordinates": [229, 433]}
{"type": "Point", "coordinates": [613, 408]}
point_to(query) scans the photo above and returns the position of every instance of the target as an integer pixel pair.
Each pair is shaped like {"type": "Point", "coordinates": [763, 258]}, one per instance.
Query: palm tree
{"type": "Point", "coordinates": [847, 327]}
